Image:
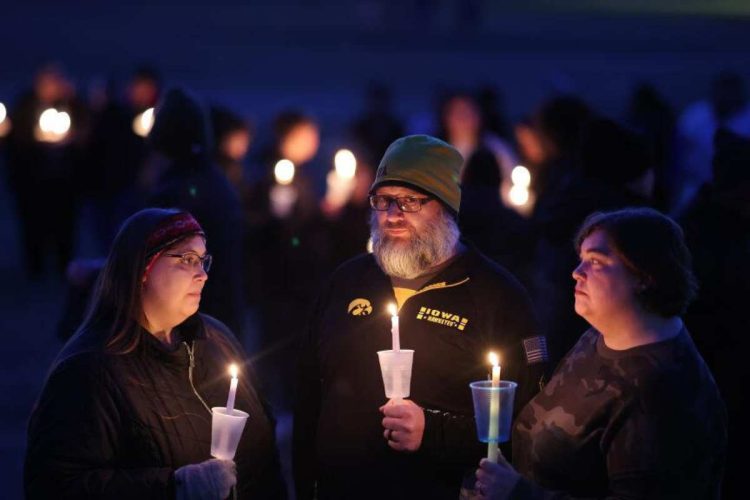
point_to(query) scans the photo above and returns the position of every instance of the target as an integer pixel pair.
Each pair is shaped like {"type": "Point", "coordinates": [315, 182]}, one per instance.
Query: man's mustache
{"type": "Point", "coordinates": [396, 224]}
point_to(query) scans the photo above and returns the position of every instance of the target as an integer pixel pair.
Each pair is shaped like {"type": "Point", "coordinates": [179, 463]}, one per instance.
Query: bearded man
{"type": "Point", "coordinates": [454, 307]}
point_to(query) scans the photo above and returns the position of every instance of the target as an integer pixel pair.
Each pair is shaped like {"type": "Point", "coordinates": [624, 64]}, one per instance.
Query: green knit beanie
{"type": "Point", "coordinates": [426, 163]}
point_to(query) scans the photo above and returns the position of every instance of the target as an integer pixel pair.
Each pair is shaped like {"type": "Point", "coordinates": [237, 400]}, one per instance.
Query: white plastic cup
{"type": "Point", "coordinates": [226, 431]}
{"type": "Point", "coordinates": [482, 393]}
{"type": "Point", "coordinates": [396, 369]}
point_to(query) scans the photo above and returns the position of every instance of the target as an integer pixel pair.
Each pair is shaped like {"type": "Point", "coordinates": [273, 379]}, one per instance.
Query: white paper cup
{"type": "Point", "coordinates": [396, 369]}
{"type": "Point", "coordinates": [226, 431]}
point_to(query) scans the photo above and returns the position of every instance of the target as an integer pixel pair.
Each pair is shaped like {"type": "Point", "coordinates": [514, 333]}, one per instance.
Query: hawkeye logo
{"type": "Point", "coordinates": [442, 318]}
{"type": "Point", "coordinates": [359, 307]}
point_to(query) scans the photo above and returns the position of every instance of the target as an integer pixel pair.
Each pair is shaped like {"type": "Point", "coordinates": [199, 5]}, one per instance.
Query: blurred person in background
{"type": "Point", "coordinates": [461, 125]}
{"type": "Point", "coordinates": [44, 157]}
{"type": "Point", "coordinates": [613, 171]}
{"type": "Point", "coordinates": [378, 126]}
{"type": "Point", "coordinates": [717, 228]}
{"type": "Point", "coordinates": [497, 231]}
{"type": "Point", "coordinates": [117, 153]}
{"type": "Point", "coordinates": [727, 106]}
{"type": "Point", "coordinates": [491, 103]}
{"type": "Point", "coordinates": [551, 143]}
{"type": "Point", "coordinates": [651, 116]}
{"type": "Point", "coordinates": [233, 137]}
{"type": "Point", "coordinates": [189, 180]}
{"type": "Point", "coordinates": [290, 248]}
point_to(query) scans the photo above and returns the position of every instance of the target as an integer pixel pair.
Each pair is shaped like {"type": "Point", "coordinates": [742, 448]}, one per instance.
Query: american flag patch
{"type": "Point", "coordinates": [536, 349]}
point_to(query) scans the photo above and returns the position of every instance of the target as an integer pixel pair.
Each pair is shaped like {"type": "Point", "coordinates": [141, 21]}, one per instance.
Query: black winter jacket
{"type": "Point", "coordinates": [117, 426]}
{"type": "Point", "coordinates": [469, 308]}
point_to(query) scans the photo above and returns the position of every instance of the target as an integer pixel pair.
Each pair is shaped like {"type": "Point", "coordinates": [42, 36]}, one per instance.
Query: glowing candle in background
{"type": "Point", "coordinates": [345, 164]}
{"type": "Point", "coordinates": [492, 450]}
{"type": "Point", "coordinates": [395, 338]}
{"type": "Point", "coordinates": [143, 122]}
{"type": "Point", "coordinates": [521, 178]}
{"type": "Point", "coordinates": [4, 121]}
{"type": "Point", "coordinates": [340, 180]}
{"type": "Point", "coordinates": [53, 126]}
{"type": "Point", "coordinates": [284, 172]}
{"type": "Point", "coordinates": [232, 388]}
{"type": "Point", "coordinates": [283, 195]}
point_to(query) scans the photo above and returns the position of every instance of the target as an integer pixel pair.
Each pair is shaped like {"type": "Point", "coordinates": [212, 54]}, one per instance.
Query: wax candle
{"type": "Point", "coordinates": [492, 450]}
{"type": "Point", "coordinates": [232, 388]}
{"type": "Point", "coordinates": [395, 339]}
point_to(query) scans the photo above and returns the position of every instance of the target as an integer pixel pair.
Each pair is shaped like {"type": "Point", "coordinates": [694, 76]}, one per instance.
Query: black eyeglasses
{"type": "Point", "coordinates": [192, 259]}
{"type": "Point", "coordinates": [382, 202]}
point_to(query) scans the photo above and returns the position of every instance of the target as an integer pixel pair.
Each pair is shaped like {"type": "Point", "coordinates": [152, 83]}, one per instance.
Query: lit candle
{"type": "Point", "coordinates": [345, 164]}
{"type": "Point", "coordinates": [143, 123]}
{"type": "Point", "coordinates": [53, 126]}
{"type": "Point", "coordinates": [492, 449]}
{"type": "Point", "coordinates": [284, 172]}
{"type": "Point", "coordinates": [232, 388]}
{"type": "Point", "coordinates": [4, 121]}
{"type": "Point", "coordinates": [395, 340]}
{"type": "Point", "coordinates": [340, 180]}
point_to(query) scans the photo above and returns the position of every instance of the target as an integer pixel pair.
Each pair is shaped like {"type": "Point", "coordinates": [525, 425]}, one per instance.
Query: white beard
{"type": "Point", "coordinates": [414, 257]}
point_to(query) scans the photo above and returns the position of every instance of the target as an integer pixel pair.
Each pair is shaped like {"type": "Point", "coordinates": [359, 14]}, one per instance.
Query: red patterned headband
{"type": "Point", "coordinates": [169, 232]}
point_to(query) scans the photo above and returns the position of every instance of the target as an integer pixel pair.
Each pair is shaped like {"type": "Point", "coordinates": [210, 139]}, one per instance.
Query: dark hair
{"type": "Point", "coordinates": [147, 72]}
{"type": "Point", "coordinates": [226, 121]}
{"type": "Point", "coordinates": [561, 121]}
{"type": "Point", "coordinates": [481, 170]}
{"type": "Point", "coordinates": [288, 120]}
{"type": "Point", "coordinates": [111, 323]}
{"type": "Point", "coordinates": [182, 128]}
{"type": "Point", "coordinates": [613, 154]}
{"type": "Point", "coordinates": [445, 100]}
{"type": "Point", "coordinates": [652, 246]}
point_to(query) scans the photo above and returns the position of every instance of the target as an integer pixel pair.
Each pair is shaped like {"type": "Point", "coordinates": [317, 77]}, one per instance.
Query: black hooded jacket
{"type": "Point", "coordinates": [119, 425]}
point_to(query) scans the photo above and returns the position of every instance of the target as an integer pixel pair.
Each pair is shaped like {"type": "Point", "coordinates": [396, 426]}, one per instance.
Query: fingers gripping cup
{"type": "Point", "coordinates": [226, 431]}
{"type": "Point", "coordinates": [493, 409]}
{"type": "Point", "coordinates": [396, 369]}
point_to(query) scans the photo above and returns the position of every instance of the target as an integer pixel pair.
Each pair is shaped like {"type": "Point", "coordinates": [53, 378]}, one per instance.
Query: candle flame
{"type": "Point", "coordinates": [494, 359]}
{"type": "Point", "coordinates": [48, 120]}
{"type": "Point", "coordinates": [3, 112]}
{"type": "Point", "coordinates": [345, 163]}
{"type": "Point", "coordinates": [519, 195]}
{"type": "Point", "coordinates": [143, 123]}
{"type": "Point", "coordinates": [53, 125]}
{"type": "Point", "coordinates": [233, 370]}
{"type": "Point", "coordinates": [521, 176]}
{"type": "Point", "coordinates": [284, 172]}
{"type": "Point", "coordinates": [392, 309]}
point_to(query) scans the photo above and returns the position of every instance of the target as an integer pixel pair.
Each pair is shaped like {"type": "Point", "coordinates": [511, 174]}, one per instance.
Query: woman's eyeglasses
{"type": "Point", "coordinates": [192, 259]}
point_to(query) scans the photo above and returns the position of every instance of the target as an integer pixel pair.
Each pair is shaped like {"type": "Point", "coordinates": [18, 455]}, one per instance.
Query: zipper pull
{"type": "Point", "coordinates": [190, 355]}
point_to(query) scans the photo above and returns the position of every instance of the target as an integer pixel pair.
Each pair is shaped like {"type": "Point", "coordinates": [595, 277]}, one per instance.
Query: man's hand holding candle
{"type": "Point", "coordinates": [404, 425]}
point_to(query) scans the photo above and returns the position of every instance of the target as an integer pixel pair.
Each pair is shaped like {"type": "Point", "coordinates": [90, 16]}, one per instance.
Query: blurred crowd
{"type": "Point", "coordinates": [279, 218]}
